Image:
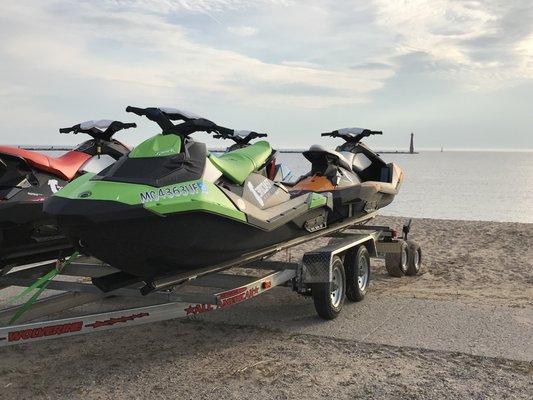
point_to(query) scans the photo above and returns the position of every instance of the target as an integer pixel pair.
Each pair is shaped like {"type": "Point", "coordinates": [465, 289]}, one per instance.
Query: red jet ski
{"type": "Point", "coordinates": [27, 178]}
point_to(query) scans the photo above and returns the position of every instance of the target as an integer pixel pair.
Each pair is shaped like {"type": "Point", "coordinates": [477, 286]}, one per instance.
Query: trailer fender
{"type": "Point", "coordinates": [316, 265]}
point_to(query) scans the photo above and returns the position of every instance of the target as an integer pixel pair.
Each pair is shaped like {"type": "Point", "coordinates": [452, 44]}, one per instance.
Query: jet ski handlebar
{"type": "Point", "coordinates": [102, 129]}
{"type": "Point", "coordinates": [192, 122]}
{"type": "Point", "coordinates": [352, 135]}
{"type": "Point", "coordinates": [241, 137]}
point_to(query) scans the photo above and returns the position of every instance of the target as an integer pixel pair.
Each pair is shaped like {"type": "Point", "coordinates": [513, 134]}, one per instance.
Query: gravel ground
{"type": "Point", "coordinates": [463, 262]}
{"type": "Point", "coordinates": [189, 359]}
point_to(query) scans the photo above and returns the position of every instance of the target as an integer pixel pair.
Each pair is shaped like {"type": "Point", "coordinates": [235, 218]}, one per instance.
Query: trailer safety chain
{"type": "Point", "coordinates": [39, 286]}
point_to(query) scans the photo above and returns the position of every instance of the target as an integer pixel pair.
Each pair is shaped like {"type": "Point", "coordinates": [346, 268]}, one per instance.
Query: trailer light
{"type": "Point", "coordinates": [266, 285]}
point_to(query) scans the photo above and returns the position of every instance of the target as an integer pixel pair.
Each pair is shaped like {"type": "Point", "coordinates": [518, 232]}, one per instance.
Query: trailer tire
{"type": "Point", "coordinates": [414, 260]}
{"type": "Point", "coordinates": [396, 263]}
{"type": "Point", "coordinates": [357, 266]}
{"type": "Point", "coordinates": [329, 301]}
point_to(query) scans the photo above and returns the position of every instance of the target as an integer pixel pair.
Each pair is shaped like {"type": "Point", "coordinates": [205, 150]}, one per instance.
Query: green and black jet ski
{"type": "Point", "coordinates": [170, 206]}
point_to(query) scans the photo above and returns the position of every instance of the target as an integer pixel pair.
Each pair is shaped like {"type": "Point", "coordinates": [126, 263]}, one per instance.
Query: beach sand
{"type": "Point", "coordinates": [465, 263]}
{"type": "Point", "coordinates": [487, 262]}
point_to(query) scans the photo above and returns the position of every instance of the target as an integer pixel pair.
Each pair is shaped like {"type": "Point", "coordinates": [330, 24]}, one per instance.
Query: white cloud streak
{"type": "Point", "coordinates": [447, 31]}
{"type": "Point", "coordinates": [315, 58]}
{"type": "Point", "coordinates": [244, 31]}
{"type": "Point", "coordinates": [171, 59]}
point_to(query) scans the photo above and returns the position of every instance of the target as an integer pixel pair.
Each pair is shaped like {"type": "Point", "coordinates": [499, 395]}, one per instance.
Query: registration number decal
{"type": "Point", "coordinates": [184, 190]}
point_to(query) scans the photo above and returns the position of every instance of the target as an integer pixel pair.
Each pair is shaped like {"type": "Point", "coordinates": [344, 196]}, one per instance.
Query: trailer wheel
{"type": "Point", "coordinates": [357, 266]}
{"type": "Point", "coordinates": [414, 260]}
{"type": "Point", "coordinates": [396, 263]}
{"type": "Point", "coordinates": [329, 296]}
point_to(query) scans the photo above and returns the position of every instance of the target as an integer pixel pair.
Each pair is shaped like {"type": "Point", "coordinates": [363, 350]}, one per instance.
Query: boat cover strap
{"type": "Point", "coordinates": [236, 165]}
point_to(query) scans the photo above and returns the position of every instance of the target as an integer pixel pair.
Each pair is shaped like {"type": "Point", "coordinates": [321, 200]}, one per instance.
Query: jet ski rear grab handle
{"type": "Point", "coordinates": [173, 303]}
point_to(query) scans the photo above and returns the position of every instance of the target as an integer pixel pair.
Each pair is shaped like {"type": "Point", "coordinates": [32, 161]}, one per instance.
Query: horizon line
{"type": "Point", "coordinates": [400, 151]}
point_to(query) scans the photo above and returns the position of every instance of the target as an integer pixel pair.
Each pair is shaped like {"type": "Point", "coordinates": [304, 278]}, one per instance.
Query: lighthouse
{"type": "Point", "coordinates": [412, 145]}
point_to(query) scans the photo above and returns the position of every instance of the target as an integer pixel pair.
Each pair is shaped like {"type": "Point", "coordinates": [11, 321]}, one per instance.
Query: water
{"type": "Point", "coordinates": [490, 186]}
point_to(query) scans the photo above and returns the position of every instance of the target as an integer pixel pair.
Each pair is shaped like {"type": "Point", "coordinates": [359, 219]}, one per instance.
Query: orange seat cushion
{"type": "Point", "coordinates": [65, 167]}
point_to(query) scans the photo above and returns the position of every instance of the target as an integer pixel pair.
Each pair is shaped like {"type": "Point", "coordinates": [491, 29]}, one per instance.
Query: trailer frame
{"type": "Point", "coordinates": [176, 298]}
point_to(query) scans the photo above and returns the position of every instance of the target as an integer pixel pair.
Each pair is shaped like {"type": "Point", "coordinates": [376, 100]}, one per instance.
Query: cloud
{"type": "Point", "coordinates": [321, 60]}
{"type": "Point", "coordinates": [166, 6]}
{"type": "Point", "coordinates": [149, 51]}
{"type": "Point", "coordinates": [372, 66]}
{"type": "Point", "coordinates": [324, 60]}
{"type": "Point", "coordinates": [483, 44]}
{"type": "Point", "coordinates": [242, 30]}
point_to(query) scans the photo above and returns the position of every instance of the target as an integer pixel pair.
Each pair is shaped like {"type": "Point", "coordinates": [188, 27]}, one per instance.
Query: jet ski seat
{"type": "Point", "coordinates": [236, 165]}
{"type": "Point", "coordinates": [64, 167]}
{"type": "Point", "coordinates": [343, 161]}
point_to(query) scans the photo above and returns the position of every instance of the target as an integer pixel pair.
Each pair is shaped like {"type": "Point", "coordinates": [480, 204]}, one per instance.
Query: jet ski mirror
{"type": "Point", "coordinates": [192, 123]}
{"type": "Point", "coordinates": [102, 129]}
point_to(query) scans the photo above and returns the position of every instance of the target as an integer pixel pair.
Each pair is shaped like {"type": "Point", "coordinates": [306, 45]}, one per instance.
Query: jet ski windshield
{"type": "Point", "coordinates": [174, 113]}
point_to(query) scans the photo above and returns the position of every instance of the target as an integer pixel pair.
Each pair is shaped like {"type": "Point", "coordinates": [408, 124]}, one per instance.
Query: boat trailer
{"type": "Point", "coordinates": [329, 274]}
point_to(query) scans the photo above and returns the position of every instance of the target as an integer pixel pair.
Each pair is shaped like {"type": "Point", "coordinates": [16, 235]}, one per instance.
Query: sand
{"type": "Point", "coordinates": [465, 262]}
{"type": "Point", "coordinates": [487, 262]}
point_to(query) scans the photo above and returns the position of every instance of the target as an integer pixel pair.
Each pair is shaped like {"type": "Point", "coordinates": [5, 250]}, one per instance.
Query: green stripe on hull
{"type": "Point", "coordinates": [197, 195]}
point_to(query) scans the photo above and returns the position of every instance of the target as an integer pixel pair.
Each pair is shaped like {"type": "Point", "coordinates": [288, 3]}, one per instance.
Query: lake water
{"type": "Point", "coordinates": [490, 186]}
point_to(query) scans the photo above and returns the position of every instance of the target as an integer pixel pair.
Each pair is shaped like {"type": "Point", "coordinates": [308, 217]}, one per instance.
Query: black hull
{"type": "Point", "coordinates": [149, 246]}
{"type": "Point", "coordinates": [27, 235]}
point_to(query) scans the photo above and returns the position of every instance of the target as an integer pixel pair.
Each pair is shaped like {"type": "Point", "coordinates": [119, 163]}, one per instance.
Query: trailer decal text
{"type": "Point", "coordinates": [112, 321]}
{"type": "Point", "coordinates": [198, 309]}
{"type": "Point", "coordinates": [45, 331]}
{"type": "Point", "coordinates": [235, 296]}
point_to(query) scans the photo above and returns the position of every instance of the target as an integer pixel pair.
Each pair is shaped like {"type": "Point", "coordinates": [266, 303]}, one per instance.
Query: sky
{"type": "Point", "coordinates": [456, 73]}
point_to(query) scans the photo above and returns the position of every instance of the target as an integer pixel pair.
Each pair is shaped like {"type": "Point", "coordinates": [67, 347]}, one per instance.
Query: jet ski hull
{"type": "Point", "coordinates": [145, 240]}
{"type": "Point", "coordinates": [148, 245]}
{"type": "Point", "coordinates": [27, 235]}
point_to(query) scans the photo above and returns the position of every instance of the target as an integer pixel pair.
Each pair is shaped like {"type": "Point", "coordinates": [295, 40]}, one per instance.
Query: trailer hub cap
{"type": "Point", "coordinates": [404, 258]}
{"type": "Point", "coordinates": [337, 287]}
{"type": "Point", "coordinates": [362, 276]}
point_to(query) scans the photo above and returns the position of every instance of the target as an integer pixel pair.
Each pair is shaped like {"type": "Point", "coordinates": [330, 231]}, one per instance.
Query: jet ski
{"type": "Point", "coordinates": [27, 178]}
{"type": "Point", "coordinates": [368, 183]}
{"type": "Point", "coordinates": [171, 207]}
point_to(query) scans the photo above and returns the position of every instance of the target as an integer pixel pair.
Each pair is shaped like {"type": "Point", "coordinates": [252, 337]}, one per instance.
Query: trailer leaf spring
{"type": "Point", "coordinates": [39, 286]}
